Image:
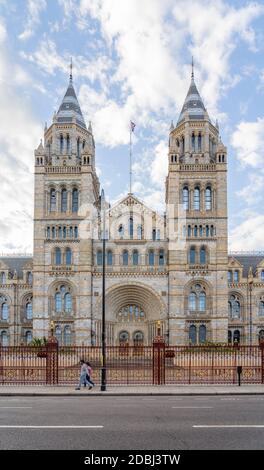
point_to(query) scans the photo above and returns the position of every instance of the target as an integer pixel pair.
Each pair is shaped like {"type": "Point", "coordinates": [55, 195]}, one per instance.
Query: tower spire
{"type": "Point", "coordinates": [192, 69]}
{"type": "Point", "coordinates": [71, 70]}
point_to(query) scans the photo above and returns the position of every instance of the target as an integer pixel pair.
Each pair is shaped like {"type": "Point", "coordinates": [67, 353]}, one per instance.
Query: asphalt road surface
{"type": "Point", "coordinates": [141, 423]}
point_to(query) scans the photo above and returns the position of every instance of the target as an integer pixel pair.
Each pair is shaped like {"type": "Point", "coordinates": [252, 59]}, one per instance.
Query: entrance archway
{"type": "Point", "coordinates": [133, 308]}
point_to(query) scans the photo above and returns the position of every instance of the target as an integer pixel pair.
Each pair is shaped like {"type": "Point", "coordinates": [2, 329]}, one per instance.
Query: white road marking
{"type": "Point", "coordinates": [228, 426]}
{"type": "Point", "coordinates": [15, 407]}
{"type": "Point", "coordinates": [48, 427]}
{"type": "Point", "coordinates": [192, 407]}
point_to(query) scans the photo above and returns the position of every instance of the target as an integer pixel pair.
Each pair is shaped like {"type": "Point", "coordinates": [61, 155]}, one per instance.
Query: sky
{"type": "Point", "coordinates": [131, 61]}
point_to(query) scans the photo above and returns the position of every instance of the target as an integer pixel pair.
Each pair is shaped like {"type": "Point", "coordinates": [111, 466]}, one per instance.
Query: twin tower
{"type": "Point", "coordinates": [171, 270]}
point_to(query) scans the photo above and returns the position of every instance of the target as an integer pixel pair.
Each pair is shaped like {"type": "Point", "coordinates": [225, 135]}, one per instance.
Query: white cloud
{"type": "Point", "coordinates": [34, 10]}
{"type": "Point", "coordinates": [253, 192]}
{"type": "Point", "coordinates": [19, 135]}
{"type": "Point", "coordinates": [248, 235]}
{"type": "Point", "coordinates": [248, 141]}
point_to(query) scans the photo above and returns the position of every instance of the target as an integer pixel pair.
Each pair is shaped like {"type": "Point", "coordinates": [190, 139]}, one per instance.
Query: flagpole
{"type": "Point", "coordinates": [130, 162]}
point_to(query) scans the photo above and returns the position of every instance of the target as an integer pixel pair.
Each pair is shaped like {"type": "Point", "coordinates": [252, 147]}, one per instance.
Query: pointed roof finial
{"type": "Point", "coordinates": [192, 68]}
{"type": "Point", "coordinates": [71, 70]}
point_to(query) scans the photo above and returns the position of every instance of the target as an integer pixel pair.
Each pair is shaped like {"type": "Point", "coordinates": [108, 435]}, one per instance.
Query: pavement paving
{"type": "Point", "coordinates": [159, 390]}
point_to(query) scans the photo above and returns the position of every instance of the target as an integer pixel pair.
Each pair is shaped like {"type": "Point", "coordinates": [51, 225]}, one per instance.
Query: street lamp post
{"type": "Point", "coordinates": [103, 377]}
{"type": "Point", "coordinates": [250, 284]}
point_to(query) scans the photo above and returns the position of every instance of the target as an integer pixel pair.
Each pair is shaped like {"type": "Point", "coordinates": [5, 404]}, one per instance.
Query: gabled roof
{"type": "Point", "coordinates": [70, 108]}
{"type": "Point", "coordinates": [193, 104]}
{"type": "Point", "coordinates": [248, 261]}
{"type": "Point", "coordinates": [17, 263]}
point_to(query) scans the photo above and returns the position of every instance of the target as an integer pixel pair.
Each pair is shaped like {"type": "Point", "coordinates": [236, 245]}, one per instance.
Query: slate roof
{"type": "Point", "coordinates": [70, 108]}
{"type": "Point", "coordinates": [193, 104]}
{"type": "Point", "coordinates": [16, 263]}
{"type": "Point", "coordinates": [248, 261]}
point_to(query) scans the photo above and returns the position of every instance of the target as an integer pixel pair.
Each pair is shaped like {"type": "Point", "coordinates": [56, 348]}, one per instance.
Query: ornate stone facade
{"type": "Point", "coordinates": [174, 269]}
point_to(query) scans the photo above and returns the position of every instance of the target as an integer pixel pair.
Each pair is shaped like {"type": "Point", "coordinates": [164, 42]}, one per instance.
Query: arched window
{"type": "Point", "coordinates": [229, 336]}
{"type": "Point", "coordinates": [195, 231]}
{"type": "Point", "coordinates": [99, 258]}
{"type": "Point", "coordinates": [58, 302]}
{"type": "Point", "coordinates": [151, 258]}
{"type": "Point", "coordinates": [261, 308]}
{"type": "Point", "coordinates": [75, 200]}
{"type": "Point", "coordinates": [131, 228]}
{"type": "Point", "coordinates": [4, 338]}
{"type": "Point", "coordinates": [123, 337]}
{"type": "Point", "coordinates": [68, 302]}
{"type": "Point", "coordinates": [193, 142]}
{"type": "Point", "coordinates": [200, 231]}
{"type": "Point", "coordinates": [154, 234]}
{"type": "Point", "coordinates": [64, 232]}
{"type": "Point", "coordinates": [52, 200]}
{"type": "Point", "coordinates": [29, 278]}
{"type": "Point", "coordinates": [236, 336]}
{"type": "Point", "coordinates": [234, 306]}
{"type": "Point", "coordinates": [28, 337]}
{"type": "Point", "coordinates": [185, 198]}
{"type": "Point", "coordinates": [78, 147]}
{"type": "Point", "coordinates": [70, 232]}
{"type": "Point", "coordinates": [138, 338]}
{"type": "Point", "coordinates": [121, 231]}
{"type": "Point", "coordinates": [202, 334]}
{"type": "Point", "coordinates": [48, 232]}
{"type": "Point", "coordinates": [229, 276]}
{"type": "Point", "coordinates": [161, 257]}
{"type": "Point", "coordinates": [109, 258]}
{"type": "Point", "coordinates": [3, 278]}
{"type": "Point", "coordinates": [135, 258]}
{"type": "Point", "coordinates": [139, 232]}
{"type": "Point", "coordinates": [192, 255]}
{"type": "Point", "coordinates": [192, 301]}
{"type": "Point", "coordinates": [60, 232]}
{"type": "Point", "coordinates": [189, 231]}
{"type": "Point", "coordinates": [158, 234]}
{"type": "Point", "coordinates": [61, 143]}
{"type": "Point", "coordinates": [64, 200]}
{"type": "Point", "coordinates": [57, 256]}
{"type": "Point", "coordinates": [261, 335]}
{"type": "Point", "coordinates": [236, 276]}
{"type": "Point", "coordinates": [58, 333]}
{"type": "Point", "coordinates": [125, 258]}
{"type": "Point", "coordinates": [199, 142]}
{"type": "Point", "coordinates": [68, 143]}
{"type": "Point", "coordinates": [212, 231]}
{"type": "Point", "coordinates": [192, 334]}
{"type": "Point", "coordinates": [68, 256]}
{"type": "Point", "coordinates": [202, 255]}
{"type": "Point", "coordinates": [67, 336]}
{"type": "Point", "coordinates": [207, 231]}
{"type": "Point", "coordinates": [53, 231]}
{"type": "Point", "coordinates": [196, 199]}
{"type": "Point", "coordinates": [262, 275]}
{"type": "Point", "coordinates": [29, 311]}
{"type": "Point", "coordinates": [75, 232]}
{"type": "Point", "coordinates": [208, 198]}
{"type": "Point", "coordinates": [4, 311]}
{"type": "Point", "coordinates": [202, 301]}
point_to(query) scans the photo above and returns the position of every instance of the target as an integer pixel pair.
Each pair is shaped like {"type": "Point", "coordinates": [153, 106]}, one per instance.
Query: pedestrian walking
{"type": "Point", "coordinates": [89, 373]}
{"type": "Point", "coordinates": [83, 376]}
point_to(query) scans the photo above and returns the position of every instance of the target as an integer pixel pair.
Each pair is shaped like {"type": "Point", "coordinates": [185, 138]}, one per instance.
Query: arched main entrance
{"type": "Point", "coordinates": [132, 312]}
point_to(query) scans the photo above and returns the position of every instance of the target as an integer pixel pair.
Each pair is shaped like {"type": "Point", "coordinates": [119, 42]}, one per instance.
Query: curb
{"type": "Point", "coordinates": [128, 394]}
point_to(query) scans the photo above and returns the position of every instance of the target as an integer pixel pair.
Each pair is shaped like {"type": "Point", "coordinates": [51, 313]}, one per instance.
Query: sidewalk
{"type": "Point", "coordinates": [159, 390]}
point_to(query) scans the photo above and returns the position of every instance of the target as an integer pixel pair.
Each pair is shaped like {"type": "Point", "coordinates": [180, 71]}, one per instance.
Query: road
{"type": "Point", "coordinates": [142, 423]}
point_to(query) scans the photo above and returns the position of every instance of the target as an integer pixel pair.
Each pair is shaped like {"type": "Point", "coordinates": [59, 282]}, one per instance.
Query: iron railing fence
{"type": "Point", "coordinates": [132, 365]}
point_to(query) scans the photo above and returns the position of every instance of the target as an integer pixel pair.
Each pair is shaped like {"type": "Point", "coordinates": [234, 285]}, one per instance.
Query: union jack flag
{"type": "Point", "coordinates": [132, 126]}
